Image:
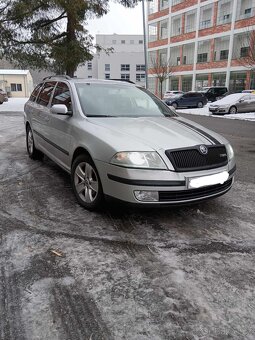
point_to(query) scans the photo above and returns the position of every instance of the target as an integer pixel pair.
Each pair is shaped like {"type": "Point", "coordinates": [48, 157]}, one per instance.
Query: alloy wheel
{"type": "Point", "coordinates": [86, 182]}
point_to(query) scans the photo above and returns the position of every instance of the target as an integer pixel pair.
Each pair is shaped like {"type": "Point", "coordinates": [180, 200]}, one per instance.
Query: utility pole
{"type": "Point", "coordinates": [145, 46]}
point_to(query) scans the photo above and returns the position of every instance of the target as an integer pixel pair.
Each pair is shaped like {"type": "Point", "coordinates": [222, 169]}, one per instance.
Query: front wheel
{"type": "Point", "coordinates": [31, 149]}
{"type": "Point", "coordinates": [86, 183]}
{"type": "Point", "coordinates": [232, 110]}
{"type": "Point", "coordinates": [200, 105]}
{"type": "Point", "coordinates": [174, 105]}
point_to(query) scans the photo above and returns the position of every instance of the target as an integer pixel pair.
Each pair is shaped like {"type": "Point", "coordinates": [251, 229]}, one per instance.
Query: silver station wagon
{"type": "Point", "coordinates": [118, 140]}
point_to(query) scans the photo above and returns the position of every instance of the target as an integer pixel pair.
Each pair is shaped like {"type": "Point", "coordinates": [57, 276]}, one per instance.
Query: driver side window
{"type": "Point", "coordinates": [62, 96]}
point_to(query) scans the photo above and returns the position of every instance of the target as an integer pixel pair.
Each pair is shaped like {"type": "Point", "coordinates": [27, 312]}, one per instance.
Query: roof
{"type": "Point", "coordinates": [7, 72]}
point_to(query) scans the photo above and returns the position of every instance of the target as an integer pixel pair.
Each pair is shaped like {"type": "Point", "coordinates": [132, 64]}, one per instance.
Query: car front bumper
{"type": "Point", "coordinates": [159, 186]}
{"type": "Point", "coordinates": [219, 110]}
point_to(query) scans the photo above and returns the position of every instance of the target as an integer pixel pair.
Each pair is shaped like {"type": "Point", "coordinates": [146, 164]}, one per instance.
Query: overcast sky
{"type": "Point", "coordinates": [119, 20]}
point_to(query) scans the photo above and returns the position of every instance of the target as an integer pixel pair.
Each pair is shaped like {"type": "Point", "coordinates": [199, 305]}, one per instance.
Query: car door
{"type": "Point", "coordinates": [184, 101]}
{"type": "Point", "coordinates": [252, 103]}
{"type": "Point", "coordinates": [41, 115]}
{"type": "Point", "coordinates": [244, 103]}
{"type": "Point", "coordinates": [60, 127]}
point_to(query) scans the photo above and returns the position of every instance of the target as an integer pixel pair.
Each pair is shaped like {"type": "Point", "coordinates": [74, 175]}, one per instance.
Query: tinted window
{"type": "Point", "coordinates": [45, 93]}
{"type": "Point", "coordinates": [62, 95]}
{"type": "Point", "coordinates": [35, 93]}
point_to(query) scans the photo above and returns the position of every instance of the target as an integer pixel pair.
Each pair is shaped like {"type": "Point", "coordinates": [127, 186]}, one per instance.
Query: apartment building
{"type": "Point", "coordinates": [126, 61]}
{"type": "Point", "coordinates": [205, 42]}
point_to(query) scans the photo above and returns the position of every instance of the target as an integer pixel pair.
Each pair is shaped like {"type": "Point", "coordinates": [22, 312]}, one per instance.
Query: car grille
{"type": "Point", "coordinates": [189, 194]}
{"type": "Point", "coordinates": [192, 159]}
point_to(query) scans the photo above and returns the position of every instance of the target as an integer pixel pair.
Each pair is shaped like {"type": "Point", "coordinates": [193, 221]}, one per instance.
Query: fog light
{"type": "Point", "coordinates": [146, 196]}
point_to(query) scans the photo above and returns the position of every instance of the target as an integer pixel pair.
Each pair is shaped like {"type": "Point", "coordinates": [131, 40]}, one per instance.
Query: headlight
{"type": "Point", "coordinates": [139, 160]}
{"type": "Point", "coordinates": [230, 151]}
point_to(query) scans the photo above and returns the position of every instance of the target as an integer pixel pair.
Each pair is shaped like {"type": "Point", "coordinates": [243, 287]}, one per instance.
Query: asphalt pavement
{"type": "Point", "coordinates": [121, 273]}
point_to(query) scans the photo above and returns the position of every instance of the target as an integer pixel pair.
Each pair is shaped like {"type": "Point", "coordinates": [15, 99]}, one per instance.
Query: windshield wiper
{"type": "Point", "coordinates": [100, 116]}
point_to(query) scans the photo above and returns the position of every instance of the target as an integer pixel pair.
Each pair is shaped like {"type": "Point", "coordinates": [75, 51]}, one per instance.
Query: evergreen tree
{"type": "Point", "coordinates": [50, 34]}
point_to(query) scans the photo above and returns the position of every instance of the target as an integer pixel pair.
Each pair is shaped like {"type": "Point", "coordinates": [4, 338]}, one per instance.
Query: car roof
{"type": "Point", "coordinates": [89, 80]}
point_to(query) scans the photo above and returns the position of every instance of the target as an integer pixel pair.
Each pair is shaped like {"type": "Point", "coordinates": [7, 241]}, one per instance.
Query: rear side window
{"type": "Point", "coordinates": [45, 94]}
{"type": "Point", "coordinates": [62, 96]}
{"type": "Point", "coordinates": [35, 92]}
{"type": "Point", "coordinates": [221, 91]}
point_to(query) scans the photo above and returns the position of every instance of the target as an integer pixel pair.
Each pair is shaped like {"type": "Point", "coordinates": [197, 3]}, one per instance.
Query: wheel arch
{"type": "Point", "coordinates": [234, 107]}
{"type": "Point", "coordinates": [79, 151]}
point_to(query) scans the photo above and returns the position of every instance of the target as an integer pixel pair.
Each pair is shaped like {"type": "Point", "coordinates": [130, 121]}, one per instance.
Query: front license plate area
{"type": "Point", "coordinates": [203, 181]}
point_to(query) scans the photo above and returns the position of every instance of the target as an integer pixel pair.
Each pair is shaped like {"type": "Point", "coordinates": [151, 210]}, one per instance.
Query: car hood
{"type": "Point", "coordinates": [156, 132]}
{"type": "Point", "coordinates": [229, 100]}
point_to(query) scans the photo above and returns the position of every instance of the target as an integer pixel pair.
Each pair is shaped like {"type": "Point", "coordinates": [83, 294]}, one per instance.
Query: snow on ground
{"type": "Point", "coordinates": [14, 105]}
{"type": "Point", "coordinates": [17, 105]}
{"type": "Point", "coordinates": [205, 112]}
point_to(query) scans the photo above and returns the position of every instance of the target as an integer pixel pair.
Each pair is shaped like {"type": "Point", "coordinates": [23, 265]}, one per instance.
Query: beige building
{"type": "Point", "coordinates": [17, 83]}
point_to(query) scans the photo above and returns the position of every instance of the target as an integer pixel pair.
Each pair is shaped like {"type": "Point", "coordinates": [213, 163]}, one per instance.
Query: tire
{"type": "Point", "coordinates": [31, 149]}
{"type": "Point", "coordinates": [232, 110]}
{"type": "Point", "coordinates": [174, 105]}
{"type": "Point", "coordinates": [200, 105]}
{"type": "Point", "coordinates": [1, 103]}
{"type": "Point", "coordinates": [86, 183]}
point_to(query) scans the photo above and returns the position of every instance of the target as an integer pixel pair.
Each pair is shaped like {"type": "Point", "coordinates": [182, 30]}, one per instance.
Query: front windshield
{"type": "Point", "coordinates": [117, 100]}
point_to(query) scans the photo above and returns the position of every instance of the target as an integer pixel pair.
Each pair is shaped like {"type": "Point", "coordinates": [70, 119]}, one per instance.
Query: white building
{"type": "Point", "coordinates": [125, 62]}
{"type": "Point", "coordinates": [17, 83]}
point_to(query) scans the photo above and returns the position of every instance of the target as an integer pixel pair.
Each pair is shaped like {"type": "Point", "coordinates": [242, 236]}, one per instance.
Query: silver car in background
{"type": "Point", "coordinates": [234, 103]}
{"type": "Point", "coordinates": [120, 141]}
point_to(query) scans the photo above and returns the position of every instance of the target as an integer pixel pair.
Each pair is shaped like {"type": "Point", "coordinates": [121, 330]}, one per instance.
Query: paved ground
{"type": "Point", "coordinates": [180, 273]}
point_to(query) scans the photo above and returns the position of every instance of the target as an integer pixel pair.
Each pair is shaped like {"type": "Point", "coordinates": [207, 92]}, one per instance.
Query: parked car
{"type": "Point", "coordinates": [249, 91]}
{"type": "Point", "coordinates": [214, 92]}
{"type": "Point", "coordinates": [119, 140]}
{"type": "Point", "coordinates": [170, 94]}
{"type": "Point", "coordinates": [234, 103]}
{"type": "Point", "coordinates": [189, 99]}
{"type": "Point", "coordinates": [3, 96]}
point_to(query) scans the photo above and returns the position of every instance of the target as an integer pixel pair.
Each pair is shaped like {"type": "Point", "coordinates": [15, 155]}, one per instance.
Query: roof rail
{"type": "Point", "coordinates": [58, 76]}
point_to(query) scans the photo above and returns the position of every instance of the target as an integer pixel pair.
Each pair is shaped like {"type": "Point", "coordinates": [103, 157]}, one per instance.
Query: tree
{"type": "Point", "coordinates": [50, 34]}
{"type": "Point", "coordinates": [162, 69]}
{"type": "Point", "coordinates": [244, 50]}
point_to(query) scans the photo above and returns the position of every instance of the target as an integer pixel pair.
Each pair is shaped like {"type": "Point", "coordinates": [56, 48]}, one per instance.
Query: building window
{"type": "Point", "coordinates": [107, 76]}
{"type": "Point", "coordinates": [114, 42]}
{"type": "Point", "coordinates": [89, 65]}
{"type": "Point", "coordinates": [140, 77]}
{"type": "Point", "coordinates": [125, 67]}
{"type": "Point", "coordinates": [224, 55]}
{"type": "Point", "coordinates": [123, 42]}
{"type": "Point", "coordinates": [184, 60]}
{"type": "Point", "coordinates": [125, 76]}
{"type": "Point", "coordinates": [16, 87]}
{"type": "Point", "coordinates": [202, 57]}
{"type": "Point", "coordinates": [244, 52]}
{"type": "Point", "coordinates": [176, 2]}
{"type": "Point", "coordinates": [107, 67]}
{"type": "Point", "coordinates": [140, 67]}
{"type": "Point", "coordinates": [178, 61]}
{"type": "Point", "coordinates": [247, 11]}
{"type": "Point", "coordinates": [140, 42]}
{"type": "Point", "coordinates": [89, 77]}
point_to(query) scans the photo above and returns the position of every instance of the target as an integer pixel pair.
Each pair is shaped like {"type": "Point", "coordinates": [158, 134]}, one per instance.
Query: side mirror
{"type": "Point", "coordinates": [60, 109]}
{"type": "Point", "coordinates": [241, 100]}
